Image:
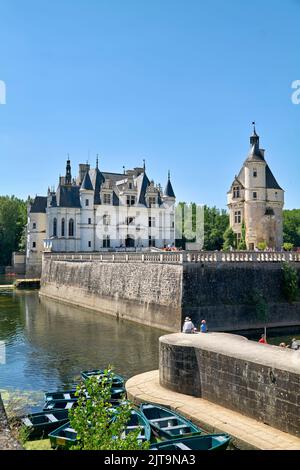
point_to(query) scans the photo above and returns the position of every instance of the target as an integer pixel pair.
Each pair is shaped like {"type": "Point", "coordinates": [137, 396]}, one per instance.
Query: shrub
{"type": "Point", "coordinates": [98, 425]}
{"type": "Point", "coordinates": [290, 282]}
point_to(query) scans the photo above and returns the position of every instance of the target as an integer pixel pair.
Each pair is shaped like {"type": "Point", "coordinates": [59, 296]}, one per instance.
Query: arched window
{"type": "Point", "coordinates": [55, 227]}
{"type": "Point", "coordinates": [63, 227]}
{"type": "Point", "coordinates": [71, 228]}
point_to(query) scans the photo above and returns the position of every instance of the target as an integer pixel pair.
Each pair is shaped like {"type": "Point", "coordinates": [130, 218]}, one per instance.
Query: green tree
{"type": "Point", "coordinates": [99, 426]}
{"type": "Point", "coordinates": [291, 227]}
{"type": "Point", "coordinates": [13, 217]}
{"type": "Point", "coordinates": [229, 239]}
{"type": "Point", "coordinates": [242, 243]}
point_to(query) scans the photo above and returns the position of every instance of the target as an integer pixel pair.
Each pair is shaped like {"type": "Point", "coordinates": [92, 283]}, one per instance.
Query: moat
{"type": "Point", "coordinates": [48, 343]}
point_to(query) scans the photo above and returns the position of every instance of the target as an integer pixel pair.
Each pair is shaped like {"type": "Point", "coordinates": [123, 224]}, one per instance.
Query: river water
{"type": "Point", "coordinates": [48, 343]}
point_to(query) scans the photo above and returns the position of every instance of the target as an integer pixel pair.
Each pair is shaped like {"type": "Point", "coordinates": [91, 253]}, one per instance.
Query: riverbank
{"type": "Point", "coordinates": [247, 433]}
{"type": "Point", "coordinates": [7, 441]}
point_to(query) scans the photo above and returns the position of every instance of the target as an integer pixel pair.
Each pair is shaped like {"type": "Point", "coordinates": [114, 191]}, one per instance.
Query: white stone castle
{"type": "Point", "coordinates": [255, 201]}
{"type": "Point", "coordinates": [100, 211]}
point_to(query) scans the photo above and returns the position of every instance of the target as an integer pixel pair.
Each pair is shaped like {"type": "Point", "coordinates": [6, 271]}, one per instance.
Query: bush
{"type": "Point", "coordinates": [288, 246]}
{"type": "Point", "coordinates": [98, 425]}
{"type": "Point", "coordinates": [290, 283]}
{"type": "Point", "coordinates": [262, 246]}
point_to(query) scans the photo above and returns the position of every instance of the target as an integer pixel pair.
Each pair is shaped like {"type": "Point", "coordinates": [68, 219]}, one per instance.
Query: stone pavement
{"type": "Point", "coordinates": [247, 433]}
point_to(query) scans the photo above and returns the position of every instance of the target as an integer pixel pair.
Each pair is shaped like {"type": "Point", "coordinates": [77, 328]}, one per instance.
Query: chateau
{"type": "Point", "coordinates": [255, 201]}
{"type": "Point", "coordinates": [100, 211]}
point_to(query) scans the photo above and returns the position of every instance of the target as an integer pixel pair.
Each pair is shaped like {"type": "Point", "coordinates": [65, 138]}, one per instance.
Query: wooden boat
{"type": "Point", "coordinates": [63, 395]}
{"type": "Point", "coordinates": [40, 424]}
{"type": "Point", "coordinates": [195, 442]}
{"type": "Point", "coordinates": [118, 380]}
{"type": "Point", "coordinates": [60, 404]}
{"type": "Point", "coordinates": [167, 424]}
{"type": "Point", "coordinates": [138, 420]}
{"type": "Point", "coordinates": [63, 437]}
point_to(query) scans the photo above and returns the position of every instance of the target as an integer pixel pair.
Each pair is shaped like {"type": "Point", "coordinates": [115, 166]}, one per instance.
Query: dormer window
{"type": "Point", "coordinates": [87, 202]}
{"type": "Point", "coordinates": [254, 173]}
{"type": "Point", "coordinates": [236, 192]}
{"type": "Point", "coordinates": [106, 198]}
{"type": "Point", "coordinates": [130, 186]}
{"type": "Point", "coordinates": [130, 201]}
{"type": "Point", "coordinates": [255, 195]}
{"type": "Point", "coordinates": [152, 201]}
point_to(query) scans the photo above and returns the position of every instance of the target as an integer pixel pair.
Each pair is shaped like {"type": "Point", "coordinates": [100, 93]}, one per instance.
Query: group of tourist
{"type": "Point", "coordinates": [189, 327]}
{"type": "Point", "coordinates": [295, 345]}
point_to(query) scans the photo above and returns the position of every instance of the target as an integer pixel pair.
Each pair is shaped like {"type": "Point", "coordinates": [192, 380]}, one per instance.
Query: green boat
{"type": "Point", "coordinates": [167, 424]}
{"type": "Point", "coordinates": [60, 404]}
{"type": "Point", "coordinates": [40, 424]}
{"type": "Point", "coordinates": [117, 381]}
{"type": "Point", "coordinates": [61, 395]}
{"type": "Point", "coordinates": [65, 437]}
{"type": "Point", "coordinates": [195, 442]}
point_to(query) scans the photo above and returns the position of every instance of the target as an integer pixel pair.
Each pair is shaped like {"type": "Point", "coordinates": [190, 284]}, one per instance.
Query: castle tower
{"type": "Point", "coordinates": [255, 201]}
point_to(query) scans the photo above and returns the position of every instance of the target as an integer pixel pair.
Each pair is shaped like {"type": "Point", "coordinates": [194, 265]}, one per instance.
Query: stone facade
{"type": "Point", "coordinates": [255, 201]}
{"type": "Point", "coordinates": [259, 381]}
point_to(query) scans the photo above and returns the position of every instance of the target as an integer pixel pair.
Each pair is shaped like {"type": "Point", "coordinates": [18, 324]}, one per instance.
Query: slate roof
{"type": "Point", "coordinates": [271, 182]}
{"type": "Point", "coordinates": [86, 183]}
{"type": "Point", "coordinates": [169, 190]}
{"type": "Point", "coordinates": [68, 196]}
{"type": "Point", "coordinates": [39, 205]}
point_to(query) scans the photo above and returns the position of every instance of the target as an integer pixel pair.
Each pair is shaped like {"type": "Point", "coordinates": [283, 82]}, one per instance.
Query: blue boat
{"type": "Point", "coordinates": [60, 404]}
{"type": "Point", "coordinates": [210, 442]}
{"type": "Point", "coordinates": [40, 424]}
{"type": "Point", "coordinates": [61, 395]}
{"type": "Point", "coordinates": [64, 437]}
{"type": "Point", "coordinates": [167, 424]}
{"type": "Point", "coordinates": [117, 381]}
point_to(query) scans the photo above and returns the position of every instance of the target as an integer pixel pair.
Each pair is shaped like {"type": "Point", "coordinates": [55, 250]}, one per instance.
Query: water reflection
{"type": "Point", "coordinates": [49, 343]}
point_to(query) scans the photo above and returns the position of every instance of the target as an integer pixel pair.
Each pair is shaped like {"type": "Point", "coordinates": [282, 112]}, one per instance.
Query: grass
{"type": "Point", "coordinates": [43, 444]}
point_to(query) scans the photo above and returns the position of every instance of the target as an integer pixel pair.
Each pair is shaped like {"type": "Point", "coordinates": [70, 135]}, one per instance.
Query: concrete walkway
{"type": "Point", "coordinates": [247, 433]}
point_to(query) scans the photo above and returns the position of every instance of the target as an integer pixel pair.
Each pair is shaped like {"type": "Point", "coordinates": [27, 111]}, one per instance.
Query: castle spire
{"type": "Point", "coordinates": [254, 139]}
{"type": "Point", "coordinates": [68, 179]}
{"type": "Point", "coordinates": [97, 162]}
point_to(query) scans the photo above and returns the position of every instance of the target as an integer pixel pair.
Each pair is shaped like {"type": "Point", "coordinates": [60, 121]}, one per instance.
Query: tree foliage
{"type": "Point", "coordinates": [99, 426]}
{"type": "Point", "coordinates": [13, 217]}
{"type": "Point", "coordinates": [229, 239]}
{"type": "Point", "coordinates": [291, 227]}
{"type": "Point", "coordinates": [290, 282]}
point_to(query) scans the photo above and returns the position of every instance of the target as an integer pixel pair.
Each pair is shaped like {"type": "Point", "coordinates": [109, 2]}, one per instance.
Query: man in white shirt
{"type": "Point", "coordinates": [188, 326]}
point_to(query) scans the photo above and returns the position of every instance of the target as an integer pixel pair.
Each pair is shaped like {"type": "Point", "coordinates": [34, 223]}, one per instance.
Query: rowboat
{"type": "Point", "coordinates": [63, 437]}
{"type": "Point", "coordinates": [60, 404]}
{"type": "Point", "coordinates": [40, 424]}
{"type": "Point", "coordinates": [138, 421]}
{"type": "Point", "coordinates": [63, 395]}
{"type": "Point", "coordinates": [167, 424]}
{"type": "Point", "coordinates": [117, 381]}
{"type": "Point", "coordinates": [195, 442]}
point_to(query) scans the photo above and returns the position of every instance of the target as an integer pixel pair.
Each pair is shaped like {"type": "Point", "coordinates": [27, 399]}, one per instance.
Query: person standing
{"type": "Point", "coordinates": [203, 327]}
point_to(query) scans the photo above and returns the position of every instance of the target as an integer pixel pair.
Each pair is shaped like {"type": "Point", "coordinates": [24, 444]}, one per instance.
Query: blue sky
{"type": "Point", "coordinates": [177, 82]}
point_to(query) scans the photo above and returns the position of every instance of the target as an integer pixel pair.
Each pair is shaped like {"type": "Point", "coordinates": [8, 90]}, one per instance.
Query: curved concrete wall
{"type": "Point", "coordinates": [260, 381]}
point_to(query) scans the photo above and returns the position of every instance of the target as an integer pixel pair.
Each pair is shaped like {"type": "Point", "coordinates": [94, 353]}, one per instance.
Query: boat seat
{"type": "Point", "coordinates": [51, 418]}
{"type": "Point", "coordinates": [69, 430]}
{"type": "Point", "coordinates": [27, 421]}
{"type": "Point", "coordinates": [69, 405]}
{"type": "Point", "coordinates": [162, 419]}
{"type": "Point", "coordinates": [179, 426]}
{"type": "Point", "coordinates": [67, 396]}
{"type": "Point", "coordinates": [182, 446]}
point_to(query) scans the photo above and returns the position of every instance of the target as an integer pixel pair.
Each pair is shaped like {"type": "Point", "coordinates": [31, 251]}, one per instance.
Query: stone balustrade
{"type": "Point", "coordinates": [179, 257]}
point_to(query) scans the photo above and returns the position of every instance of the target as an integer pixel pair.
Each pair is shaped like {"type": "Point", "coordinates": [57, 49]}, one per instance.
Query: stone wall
{"type": "Point", "coordinates": [228, 295]}
{"type": "Point", "coordinates": [160, 291]}
{"type": "Point", "coordinates": [259, 381]}
{"type": "Point", "coordinates": [146, 293]}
